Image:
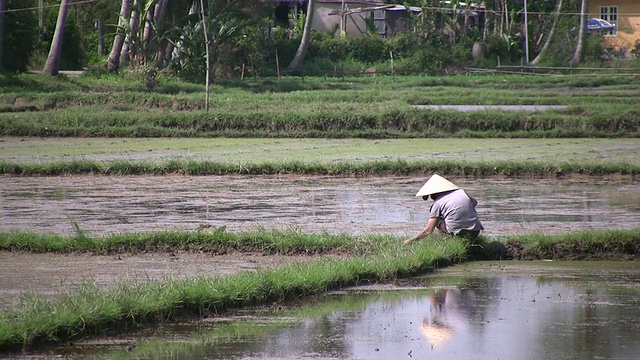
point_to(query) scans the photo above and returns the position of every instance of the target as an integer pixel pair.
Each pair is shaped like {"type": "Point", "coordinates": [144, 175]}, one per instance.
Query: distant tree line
{"type": "Point", "coordinates": [242, 38]}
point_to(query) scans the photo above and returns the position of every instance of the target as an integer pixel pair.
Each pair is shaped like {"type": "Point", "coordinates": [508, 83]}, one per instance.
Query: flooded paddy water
{"type": "Point", "coordinates": [508, 310]}
{"type": "Point", "coordinates": [102, 205]}
{"type": "Point", "coordinates": [484, 310]}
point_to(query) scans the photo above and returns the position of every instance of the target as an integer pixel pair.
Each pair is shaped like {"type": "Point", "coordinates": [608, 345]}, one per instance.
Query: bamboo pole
{"type": "Point", "coordinates": [207, 44]}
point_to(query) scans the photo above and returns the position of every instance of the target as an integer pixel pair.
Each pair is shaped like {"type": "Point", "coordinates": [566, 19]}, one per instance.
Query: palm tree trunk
{"type": "Point", "coordinates": [52, 66]}
{"type": "Point", "coordinates": [41, 16]}
{"type": "Point", "coordinates": [550, 36]}
{"type": "Point", "coordinates": [148, 32]}
{"type": "Point", "coordinates": [130, 42]}
{"type": "Point", "coordinates": [160, 25]}
{"type": "Point", "coordinates": [113, 64]}
{"type": "Point", "coordinates": [296, 63]}
{"type": "Point", "coordinates": [575, 60]}
{"type": "Point", "coordinates": [3, 7]}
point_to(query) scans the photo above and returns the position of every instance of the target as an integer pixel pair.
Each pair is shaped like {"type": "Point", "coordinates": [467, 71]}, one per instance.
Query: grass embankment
{"type": "Point", "coordinates": [576, 245]}
{"type": "Point", "coordinates": [381, 107]}
{"type": "Point", "coordinates": [378, 168]}
{"type": "Point", "coordinates": [372, 259]}
{"type": "Point", "coordinates": [215, 242]}
{"type": "Point", "coordinates": [583, 245]}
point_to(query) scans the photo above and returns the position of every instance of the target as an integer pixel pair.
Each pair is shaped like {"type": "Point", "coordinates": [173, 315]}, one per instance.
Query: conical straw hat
{"type": "Point", "coordinates": [436, 184]}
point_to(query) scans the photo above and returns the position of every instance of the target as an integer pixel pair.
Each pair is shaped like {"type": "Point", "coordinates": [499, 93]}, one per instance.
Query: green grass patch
{"type": "Point", "coordinates": [214, 242]}
{"type": "Point", "coordinates": [583, 245]}
{"type": "Point", "coordinates": [259, 150]}
{"type": "Point", "coordinates": [371, 168]}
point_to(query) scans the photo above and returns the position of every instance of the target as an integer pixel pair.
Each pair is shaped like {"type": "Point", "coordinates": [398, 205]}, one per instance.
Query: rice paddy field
{"type": "Point", "coordinates": [67, 131]}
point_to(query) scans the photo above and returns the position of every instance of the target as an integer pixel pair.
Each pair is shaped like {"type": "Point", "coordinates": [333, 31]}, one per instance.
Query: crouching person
{"type": "Point", "coordinates": [452, 212]}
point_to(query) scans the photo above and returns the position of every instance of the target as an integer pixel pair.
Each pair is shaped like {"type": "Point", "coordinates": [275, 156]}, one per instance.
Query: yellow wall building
{"type": "Point", "coordinates": [625, 14]}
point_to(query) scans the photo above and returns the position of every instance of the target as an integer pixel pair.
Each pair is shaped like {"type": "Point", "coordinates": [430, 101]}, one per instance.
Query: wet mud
{"type": "Point", "coordinates": [102, 205]}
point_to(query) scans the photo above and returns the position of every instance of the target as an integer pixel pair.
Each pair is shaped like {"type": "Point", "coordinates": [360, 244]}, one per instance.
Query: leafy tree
{"type": "Point", "coordinates": [20, 35]}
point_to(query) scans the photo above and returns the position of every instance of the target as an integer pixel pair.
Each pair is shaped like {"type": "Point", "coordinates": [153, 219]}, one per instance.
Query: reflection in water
{"type": "Point", "coordinates": [444, 319]}
{"type": "Point", "coordinates": [104, 205]}
{"type": "Point", "coordinates": [530, 311]}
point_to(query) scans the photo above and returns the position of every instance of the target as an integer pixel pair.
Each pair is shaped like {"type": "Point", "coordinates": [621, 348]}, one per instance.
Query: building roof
{"type": "Point", "coordinates": [368, 2]}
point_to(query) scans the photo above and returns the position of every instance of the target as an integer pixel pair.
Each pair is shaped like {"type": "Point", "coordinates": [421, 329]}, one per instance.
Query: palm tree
{"type": "Point", "coordinates": [575, 60]}
{"type": "Point", "coordinates": [41, 17]}
{"type": "Point", "coordinates": [296, 63]}
{"type": "Point", "coordinates": [128, 48]}
{"type": "Point", "coordinates": [550, 36]}
{"type": "Point", "coordinates": [52, 66]}
{"type": "Point", "coordinates": [3, 6]}
{"type": "Point", "coordinates": [113, 64]}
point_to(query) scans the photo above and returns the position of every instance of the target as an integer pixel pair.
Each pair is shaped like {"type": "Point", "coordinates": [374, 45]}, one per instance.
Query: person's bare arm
{"type": "Point", "coordinates": [431, 225]}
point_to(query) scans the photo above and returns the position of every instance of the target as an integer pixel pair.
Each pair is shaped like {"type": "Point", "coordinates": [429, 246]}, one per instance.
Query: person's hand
{"type": "Point", "coordinates": [409, 241]}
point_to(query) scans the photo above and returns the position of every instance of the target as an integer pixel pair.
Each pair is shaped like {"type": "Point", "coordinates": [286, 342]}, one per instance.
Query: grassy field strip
{"type": "Point", "coordinates": [104, 106]}
{"type": "Point", "coordinates": [257, 150]}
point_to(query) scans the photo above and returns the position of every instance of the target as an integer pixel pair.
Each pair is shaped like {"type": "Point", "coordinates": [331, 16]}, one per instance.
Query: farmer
{"type": "Point", "coordinates": [452, 212]}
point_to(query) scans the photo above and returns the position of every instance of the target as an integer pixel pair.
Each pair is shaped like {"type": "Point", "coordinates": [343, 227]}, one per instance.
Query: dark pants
{"type": "Point", "coordinates": [468, 234]}
{"type": "Point", "coordinates": [465, 234]}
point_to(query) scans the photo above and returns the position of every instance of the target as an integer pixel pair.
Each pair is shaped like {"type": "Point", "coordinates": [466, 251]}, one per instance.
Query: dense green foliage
{"type": "Point", "coordinates": [215, 241]}
{"type": "Point", "coordinates": [20, 36]}
{"type": "Point", "coordinates": [246, 40]}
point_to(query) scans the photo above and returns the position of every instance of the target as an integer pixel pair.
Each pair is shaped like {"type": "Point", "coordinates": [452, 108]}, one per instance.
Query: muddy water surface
{"type": "Point", "coordinates": [101, 205]}
{"type": "Point", "coordinates": [505, 310]}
